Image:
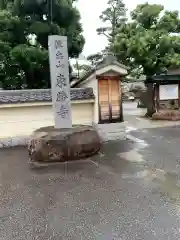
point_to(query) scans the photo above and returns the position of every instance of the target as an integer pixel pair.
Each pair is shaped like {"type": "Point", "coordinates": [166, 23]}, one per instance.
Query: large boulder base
{"type": "Point", "coordinates": [168, 115]}
{"type": "Point", "coordinates": [62, 145]}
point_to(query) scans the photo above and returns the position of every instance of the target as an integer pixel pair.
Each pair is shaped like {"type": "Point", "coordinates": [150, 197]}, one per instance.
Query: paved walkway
{"type": "Point", "coordinates": [125, 192]}
{"type": "Point", "coordinates": [129, 191]}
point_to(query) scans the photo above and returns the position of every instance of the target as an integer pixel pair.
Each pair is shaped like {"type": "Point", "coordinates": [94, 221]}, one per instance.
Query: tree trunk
{"type": "Point", "coordinates": [150, 100]}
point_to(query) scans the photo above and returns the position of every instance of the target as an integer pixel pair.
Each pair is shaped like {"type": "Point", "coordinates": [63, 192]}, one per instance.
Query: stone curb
{"type": "Point", "coordinates": [23, 140]}
{"type": "Point", "coordinates": [104, 135]}
{"type": "Point", "coordinates": [14, 141]}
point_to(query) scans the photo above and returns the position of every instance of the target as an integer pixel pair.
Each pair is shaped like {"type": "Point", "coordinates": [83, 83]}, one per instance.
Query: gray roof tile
{"type": "Point", "coordinates": [109, 60]}
{"type": "Point", "coordinates": [41, 95]}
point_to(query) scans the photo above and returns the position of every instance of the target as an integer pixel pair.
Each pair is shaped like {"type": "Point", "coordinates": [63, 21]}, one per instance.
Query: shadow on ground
{"type": "Point", "coordinates": [16, 159]}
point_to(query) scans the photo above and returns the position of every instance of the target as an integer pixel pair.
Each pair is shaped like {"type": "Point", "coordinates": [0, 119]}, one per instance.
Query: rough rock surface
{"type": "Point", "coordinates": [170, 115]}
{"type": "Point", "coordinates": [60, 145]}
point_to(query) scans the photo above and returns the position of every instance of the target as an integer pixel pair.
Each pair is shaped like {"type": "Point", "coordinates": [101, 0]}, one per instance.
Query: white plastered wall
{"type": "Point", "coordinates": [92, 82]}
{"type": "Point", "coordinates": [22, 119]}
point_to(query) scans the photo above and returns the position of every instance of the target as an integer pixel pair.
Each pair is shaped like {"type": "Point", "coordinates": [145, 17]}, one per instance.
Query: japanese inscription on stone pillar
{"type": "Point", "coordinates": [59, 69]}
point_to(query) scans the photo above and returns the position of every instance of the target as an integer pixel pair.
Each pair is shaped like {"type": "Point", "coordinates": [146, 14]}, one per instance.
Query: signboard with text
{"type": "Point", "coordinates": [168, 92]}
{"type": "Point", "coordinates": [59, 69]}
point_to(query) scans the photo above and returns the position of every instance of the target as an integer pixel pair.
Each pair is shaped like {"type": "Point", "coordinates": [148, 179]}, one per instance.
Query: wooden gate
{"type": "Point", "coordinates": [109, 100]}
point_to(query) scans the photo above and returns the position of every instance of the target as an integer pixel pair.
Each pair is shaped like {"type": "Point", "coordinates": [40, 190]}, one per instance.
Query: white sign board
{"type": "Point", "coordinates": [59, 69]}
{"type": "Point", "coordinates": [168, 92]}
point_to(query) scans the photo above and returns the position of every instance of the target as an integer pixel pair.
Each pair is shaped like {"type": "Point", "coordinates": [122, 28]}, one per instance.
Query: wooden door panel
{"type": "Point", "coordinates": [104, 112]}
{"type": "Point", "coordinates": [109, 99]}
{"type": "Point", "coordinates": [115, 98]}
{"type": "Point", "coordinates": [104, 99]}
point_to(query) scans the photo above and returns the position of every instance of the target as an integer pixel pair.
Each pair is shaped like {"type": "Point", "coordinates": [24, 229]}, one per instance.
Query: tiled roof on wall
{"type": "Point", "coordinates": [41, 95]}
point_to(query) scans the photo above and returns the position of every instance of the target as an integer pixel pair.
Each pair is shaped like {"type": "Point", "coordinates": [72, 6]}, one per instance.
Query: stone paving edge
{"type": "Point", "coordinates": [23, 140]}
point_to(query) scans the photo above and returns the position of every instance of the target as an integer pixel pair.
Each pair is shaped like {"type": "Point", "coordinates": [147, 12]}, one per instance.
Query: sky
{"type": "Point", "coordinates": [90, 11]}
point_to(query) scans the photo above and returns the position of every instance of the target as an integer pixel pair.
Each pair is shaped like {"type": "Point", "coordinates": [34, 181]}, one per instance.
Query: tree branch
{"type": "Point", "coordinates": [106, 35]}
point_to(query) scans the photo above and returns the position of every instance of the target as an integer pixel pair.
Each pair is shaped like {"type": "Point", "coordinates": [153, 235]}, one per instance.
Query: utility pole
{"type": "Point", "coordinates": [49, 4]}
{"type": "Point", "coordinates": [50, 10]}
{"type": "Point", "coordinates": [77, 65]}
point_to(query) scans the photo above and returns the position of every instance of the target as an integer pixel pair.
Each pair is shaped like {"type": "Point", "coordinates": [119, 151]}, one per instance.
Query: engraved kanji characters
{"type": "Point", "coordinates": [61, 96]}
{"type": "Point", "coordinates": [59, 55]}
{"type": "Point", "coordinates": [63, 111]}
{"type": "Point", "coordinates": [59, 58]}
{"type": "Point", "coordinates": [61, 80]}
{"type": "Point", "coordinates": [59, 64]}
{"type": "Point", "coordinates": [58, 44]}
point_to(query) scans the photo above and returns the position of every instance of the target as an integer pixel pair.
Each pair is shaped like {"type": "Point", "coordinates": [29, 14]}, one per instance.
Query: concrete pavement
{"type": "Point", "coordinates": [133, 117]}
{"type": "Point", "coordinates": [130, 191]}
{"type": "Point", "coordinates": [125, 192]}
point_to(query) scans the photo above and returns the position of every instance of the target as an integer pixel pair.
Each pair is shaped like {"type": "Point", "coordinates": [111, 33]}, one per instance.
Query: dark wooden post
{"type": "Point", "coordinates": [157, 97]}
{"type": "Point", "coordinates": [121, 103]}
{"type": "Point", "coordinates": [178, 94]}
{"type": "Point", "coordinates": [121, 111]}
{"type": "Point", "coordinates": [150, 97]}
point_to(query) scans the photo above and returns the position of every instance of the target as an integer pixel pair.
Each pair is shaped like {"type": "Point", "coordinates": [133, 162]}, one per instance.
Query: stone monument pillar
{"type": "Point", "coordinates": [59, 69]}
{"type": "Point", "coordinates": [61, 142]}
